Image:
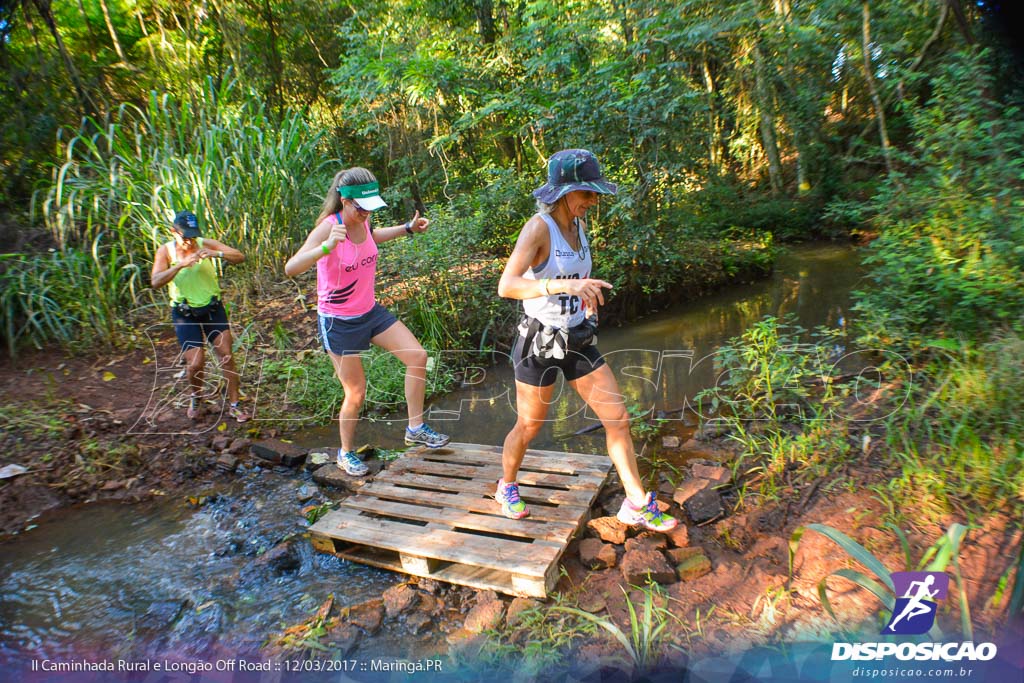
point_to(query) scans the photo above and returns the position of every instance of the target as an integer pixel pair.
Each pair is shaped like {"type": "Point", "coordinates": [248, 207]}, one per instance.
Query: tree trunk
{"type": "Point", "coordinates": [485, 21]}
{"type": "Point", "coordinates": [767, 122]}
{"type": "Point", "coordinates": [869, 76]}
{"type": "Point", "coordinates": [714, 125]}
{"type": "Point", "coordinates": [85, 103]}
{"type": "Point", "coordinates": [110, 28]}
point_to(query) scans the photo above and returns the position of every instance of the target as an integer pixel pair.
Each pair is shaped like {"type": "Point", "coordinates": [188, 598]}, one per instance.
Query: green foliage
{"type": "Point", "coordinates": [646, 636]}
{"type": "Point", "coordinates": [959, 438]}
{"type": "Point", "coordinates": [942, 554]}
{"type": "Point", "coordinates": [950, 259]}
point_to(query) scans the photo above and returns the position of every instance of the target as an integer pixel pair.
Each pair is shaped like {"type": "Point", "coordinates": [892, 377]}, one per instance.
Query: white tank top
{"type": "Point", "coordinates": [563, 263]}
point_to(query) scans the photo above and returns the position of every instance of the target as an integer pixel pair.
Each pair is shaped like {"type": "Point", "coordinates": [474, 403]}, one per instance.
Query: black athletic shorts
{"type": "Point", "coordinates": [195, 332]}
{"type": "Point", "coordinates": [344, 337]}
{"type": "Point", "coordinates": [543, 372]}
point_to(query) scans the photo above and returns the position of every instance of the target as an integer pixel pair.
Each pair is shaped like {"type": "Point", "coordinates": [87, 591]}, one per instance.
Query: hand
{"type": "Point", "coordinates": [419, 223]}
{"type": "Point", "coordinates": [338, 234]}
{"type": "Point", "coordinates": [192, 259]}
{"type": "Point", "coordinates": [589, 290]}
{"type": "Point", "coordinates": [208, 253]}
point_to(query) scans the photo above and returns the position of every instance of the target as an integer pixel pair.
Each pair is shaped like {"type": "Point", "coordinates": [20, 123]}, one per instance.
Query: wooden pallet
{"type": "Point", "coordinates": [432, 514]}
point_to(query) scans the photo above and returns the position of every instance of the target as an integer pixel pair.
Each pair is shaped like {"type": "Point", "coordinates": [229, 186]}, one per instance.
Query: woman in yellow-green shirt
{"type": "Point", "coordinates": [186, 266]}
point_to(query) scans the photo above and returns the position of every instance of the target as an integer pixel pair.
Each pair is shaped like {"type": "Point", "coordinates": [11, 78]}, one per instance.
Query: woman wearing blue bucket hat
{"type": "Point", "coordinates": [549, 270]}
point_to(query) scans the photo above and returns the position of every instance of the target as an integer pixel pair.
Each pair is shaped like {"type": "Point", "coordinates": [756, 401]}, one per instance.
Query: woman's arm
{"type": "Point", "coordinates": [418, 224]}
{"type": "Point", "coordinates": [215, 249]}
{"type": "Point", "coordinates": [163, 272]}
{"type": "Point", "coordinates": [320, 242]}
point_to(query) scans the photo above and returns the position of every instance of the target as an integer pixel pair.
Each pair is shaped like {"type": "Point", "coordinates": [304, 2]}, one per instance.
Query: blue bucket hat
{"type": "Point", "coordinates": [188, 224]}
{"type": "Point", "coordinates": [573, 169]}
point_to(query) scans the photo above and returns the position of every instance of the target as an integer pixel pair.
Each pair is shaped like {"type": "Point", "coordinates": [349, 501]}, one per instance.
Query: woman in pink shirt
{"type": "Point", "coordinates": [343, 246]}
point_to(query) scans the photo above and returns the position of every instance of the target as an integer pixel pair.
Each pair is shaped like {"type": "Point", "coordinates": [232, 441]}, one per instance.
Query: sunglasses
{"type": "Point", "coordinates": [360, 210]}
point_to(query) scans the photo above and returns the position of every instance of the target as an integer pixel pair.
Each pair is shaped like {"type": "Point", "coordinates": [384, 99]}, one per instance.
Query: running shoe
{"type": "Point", "coordinates": [349, 461]}
{"type": "Point", "coordinates": [425, 436]}
{"type": "Point", "coordinates": [236, 411]}
{"type": "Point", "coordinates": [647, 515]}
{"type": "Point", "coordinates": [195, 408]}
{"type": "Point", "coordinates": [508, 496]}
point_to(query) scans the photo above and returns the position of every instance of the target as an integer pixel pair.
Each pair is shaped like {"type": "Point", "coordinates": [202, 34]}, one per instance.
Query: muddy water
{"type": "Point", "coordinates": [191, 578]}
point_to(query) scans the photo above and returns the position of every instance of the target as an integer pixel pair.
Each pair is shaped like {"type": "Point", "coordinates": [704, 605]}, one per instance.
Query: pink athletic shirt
{"type": "Point", "coordinates": [345, 277]}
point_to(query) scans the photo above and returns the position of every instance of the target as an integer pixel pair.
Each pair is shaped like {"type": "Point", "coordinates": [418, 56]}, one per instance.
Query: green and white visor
{"type": "Point", "coordinates": [366, 196]}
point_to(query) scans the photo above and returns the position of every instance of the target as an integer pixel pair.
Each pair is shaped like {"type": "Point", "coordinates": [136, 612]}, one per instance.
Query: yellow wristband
{"type": "Point", "coordinates": [544, 286]}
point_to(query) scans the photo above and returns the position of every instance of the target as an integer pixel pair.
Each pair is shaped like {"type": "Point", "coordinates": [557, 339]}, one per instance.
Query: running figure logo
{"type": "Point", "coordinates": [914, 612]}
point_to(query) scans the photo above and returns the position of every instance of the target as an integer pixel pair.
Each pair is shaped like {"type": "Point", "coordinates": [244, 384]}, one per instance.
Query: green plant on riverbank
{"type": "Point", "coordinates": [942, 554]}
{"type": "Point", "coordinates": [646, 632]}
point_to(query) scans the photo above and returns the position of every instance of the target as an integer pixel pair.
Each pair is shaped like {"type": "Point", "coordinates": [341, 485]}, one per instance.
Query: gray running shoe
{"type": "Point", "coordinates": [425, 436]}
{"type": "Point", "coordinates": [349, 461]}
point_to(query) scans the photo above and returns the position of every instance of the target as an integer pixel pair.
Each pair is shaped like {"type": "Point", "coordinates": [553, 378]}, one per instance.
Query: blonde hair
{"type": "Point", "coordinates": [349, 176]}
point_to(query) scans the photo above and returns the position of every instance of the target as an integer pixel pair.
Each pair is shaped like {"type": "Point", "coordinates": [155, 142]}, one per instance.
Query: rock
{"type": "Point", "coordinates": [517, 607]}
{"type": "Point", "coordinates": [239, 446]}
{"type": "Point", "coordinates": [670, 441]}
{"type": "Point", "coordinates": [667, 488]}
{"type": "Point", "coordinates": [277, 561]}
{"type": "Point", "coordinates": [485, 596]}
{"type": "Point", "coordinates": [689, 489]}
{"type": "Point", "coordinates": [608, 529]}
{"type": "Point", "coordinates": [679, 537]}
{"type": "Point", "coordinates": [647, 540]}
{"type": "Point", "coordinates": [596, 554]}
{"type": "Point", "coordinates": [279, 452]}
{"type": "Point", "coordinates": [399, 599]}
{"type": "Point", "coordinates": [368, 615]}
{"type": "Point", "coordinates": [220, 442]}
{"type": "Point", "coordinates": [160, 616]}
{"type": "Point", "coordinates": [716, 473]}
{"type": "Point", "coordinates": [704, 506]}
{"type": "Point", "coordinates": [335, 477]}
{"type": "Point", "coordinates": [638, 565]}
{"type": "Point", "coordinates": [711, 429]}
{"type": "Point", "coordinates": [305, 492]}
{"type": "Point", "coordinates": [417, 622]}
{"type": "Point", "coordinates": [315, 461]}
{"type": "Point", "coordinates": [693, 567]}
{"type": "Point", "coordinates": [227, 463]}
{"type": "Point", "coordinates": [343, 639]}
{"type": "Point", "coordinates": [430, 586]}
{"type": "Point", "coordinates": [692, 445]}
{"type": "Point", "coordinates": [679, 555]}
{"type": "Point", "coordinates": [484, 616]}
{"type": "Point", "coordinates": [591, 601]}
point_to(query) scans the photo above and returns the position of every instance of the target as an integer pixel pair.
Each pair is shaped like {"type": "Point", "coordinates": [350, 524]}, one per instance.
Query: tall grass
{"type": "Point", "coordinates": [252, 180]}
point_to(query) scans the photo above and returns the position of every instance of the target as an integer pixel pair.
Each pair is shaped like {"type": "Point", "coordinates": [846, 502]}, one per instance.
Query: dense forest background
{"type": "Point", "coordinates": [730, 126]}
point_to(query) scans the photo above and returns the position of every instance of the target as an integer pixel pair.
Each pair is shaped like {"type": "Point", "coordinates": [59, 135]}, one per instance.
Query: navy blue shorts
{"type": "Point", "coordinates": [344, 337]}
{"type": "Point", "coordinates": [544, 372]}
{"type": "Point", "coordinates": [195, 332]}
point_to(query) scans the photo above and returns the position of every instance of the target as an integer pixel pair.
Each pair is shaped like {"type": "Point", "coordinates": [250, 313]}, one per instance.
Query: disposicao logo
{"type": "Point", "coordinates": [913, 615]}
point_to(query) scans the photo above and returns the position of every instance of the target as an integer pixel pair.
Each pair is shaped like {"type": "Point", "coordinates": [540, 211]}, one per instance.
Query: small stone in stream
{"type": "Point", "coordinates": [670, 441]}
{"type": "Point", "coordinates": [239, 446]}
{"type": "Point", "coordinates": [220, 442]}
{"type": "Point", "coordinates": [160, 616]}
{"type": "Point", "coordinates": [368, 615]}
{"type": "Point", "coordinates": [719, 475]}
{"type": "Point", "coordinates": [399, 599]}
{"type": "Point", "coordinates": [678, 537]}
{"type": "Point", "coordinates": [305, 492]}
{"type": "Point", "coordinates": [279, 452]}
{"type": "Point", "coordinates": [649, 540]}
{"type": "Point", "coordinates": [315, 460]}
{"type": "Point", "coordinates": [417, 622]}
{"type": "Point", "coordinates": [332, 475]}
{"type": "Point", "coordinates": [484, 616]}
{"type": "Point", "coordinates": [679, 555]}
{"type": "Point", "coordinates": [704, 506]}
{"type": "Point", "coordinates": [227, 463]}
{"type": "Point", "coordinates": [688, 489]}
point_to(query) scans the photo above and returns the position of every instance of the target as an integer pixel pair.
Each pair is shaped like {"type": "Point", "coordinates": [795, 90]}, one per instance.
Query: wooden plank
{"type": "Point", "coordinates": [535, 463]}
{"type": "Point", "coordinates": [527, 528]}
{"type": "Point", "coordinates": [589, 459]}
{"type": "Point", "coordinates": [467, 501]}
{"type": "Point", "coordinates": [419, 566]}
{"type": "Point", "coordinates": [520, 558]}
{"type": "Point", "coordinates": [463, 575]}
{"type": "Point", "coordinates": [491, 473]}
{"type": "Point", "coordinates": [556, 496]}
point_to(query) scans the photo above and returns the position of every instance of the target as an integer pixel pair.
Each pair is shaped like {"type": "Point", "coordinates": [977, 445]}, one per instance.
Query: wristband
{"type": "Point", "coordinates": [544, 286]}
{"type": "Point", "coordinates": [220, 254]}
{"type": "Point", "coordinates": [408, 227]}
{"type": "Point", "coordinates": [323, 248]}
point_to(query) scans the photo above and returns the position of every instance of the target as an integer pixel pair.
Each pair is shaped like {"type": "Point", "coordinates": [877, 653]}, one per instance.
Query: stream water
{"type": "Point", "coordinates": [192, 578]}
